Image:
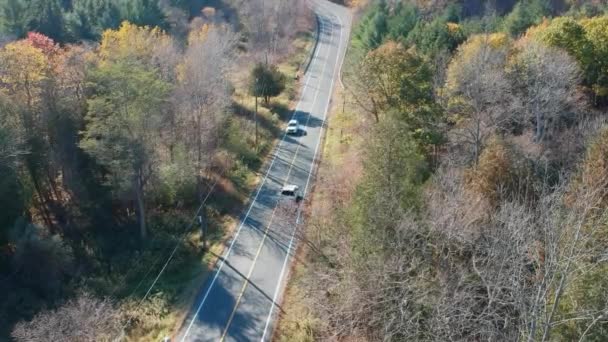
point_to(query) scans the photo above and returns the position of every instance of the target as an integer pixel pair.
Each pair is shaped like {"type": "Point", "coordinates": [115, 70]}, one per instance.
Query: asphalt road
{"type": "Point", "coordinates": [240, 299]}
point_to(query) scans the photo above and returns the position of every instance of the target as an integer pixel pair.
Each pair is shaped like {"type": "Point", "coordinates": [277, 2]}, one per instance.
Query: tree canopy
{"type": "Point", "coordinates": [266, 81]}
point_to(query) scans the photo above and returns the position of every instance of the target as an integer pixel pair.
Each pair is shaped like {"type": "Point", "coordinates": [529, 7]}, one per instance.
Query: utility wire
{"type": "Point", "coordinates": [162, 270]}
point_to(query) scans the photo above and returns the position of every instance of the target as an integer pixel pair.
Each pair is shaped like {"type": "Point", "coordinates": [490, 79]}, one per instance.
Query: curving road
{"type": "Point", "coordinates": [240, 299]}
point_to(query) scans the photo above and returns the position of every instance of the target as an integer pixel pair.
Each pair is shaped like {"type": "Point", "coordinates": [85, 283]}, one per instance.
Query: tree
{"type": "Point", "coordinates": [567, 34]}
{"type": "Point", "coordinates": [545, 80]}
{"type": "Point", "coordinates": [372, 30]}
{"type": "Point", "coordinates": [46, 17]}
{"type": "Point", "coordinates": [13, 17]}
{"type": "Point", "coordinates": [41, 260]}
{"type": "Point", "coordinates": [396, 80]}
{"type": "Point", "coordinates": [266, 81]}
{"type": "Point", "coordinates": [25, 73]}
{"type": "Point", "coordinates": [393, 166]}
{"type": "Point", "coordinates": [123, 120]}
{"type": "Point", "coordinates": [89, 18]}
{"type": "Point", "coordinates": [436, 36]}
{"type": "Point", "coordinates": [23, 69]}
{"type": "Point", "coordinates": [269, 26]}
{"type": "Point", "coordinates": [479, 91]}
{"type": "Point", "coordinates": [525, 14]}
{"type": "Point", "coordinates": [143, 12]}
{"type": "Point", "coordinates": [597, 34]}
{"type": "Point", "coordinates": [11, 149]}
{"type": "Point", "coordinates": [132, 42]}
{"type": "Point", "coordinates": [402, 21]}
{"type": "Point", "coordinates": [202, 94]}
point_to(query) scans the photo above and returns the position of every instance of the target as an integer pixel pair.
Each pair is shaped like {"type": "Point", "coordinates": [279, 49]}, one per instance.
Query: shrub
{"type": "Point", "coordinates": [84, 318]}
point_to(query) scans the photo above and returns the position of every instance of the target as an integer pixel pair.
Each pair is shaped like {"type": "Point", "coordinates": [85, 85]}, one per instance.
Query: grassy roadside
{"type": "Point", "coordinates": [167, 308]}
{"type": "Point", "coordinates": [340, 151]}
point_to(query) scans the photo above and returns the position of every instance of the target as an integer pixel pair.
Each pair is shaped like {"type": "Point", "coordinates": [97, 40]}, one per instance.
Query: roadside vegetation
{"type": "Point", "coordinates": [462, 191]}
{"type": "Point", "coordinates": [111, 139]}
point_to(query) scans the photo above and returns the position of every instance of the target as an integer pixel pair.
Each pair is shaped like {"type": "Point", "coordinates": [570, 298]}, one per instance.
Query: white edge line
{"type": "Point", "coordinates": [217, 272]}
{"type": "Point", "coordinates": [276, 292]}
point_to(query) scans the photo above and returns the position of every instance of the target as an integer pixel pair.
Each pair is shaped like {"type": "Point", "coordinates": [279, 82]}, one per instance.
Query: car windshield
{"type": "Point", "coordinates": [293, 123]}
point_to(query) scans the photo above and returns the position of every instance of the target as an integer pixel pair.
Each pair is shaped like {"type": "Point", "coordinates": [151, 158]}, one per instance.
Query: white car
{"type": "Point", "coordinates": [293, 127]}
{"type": "Point", "coordinates": [293, 191]}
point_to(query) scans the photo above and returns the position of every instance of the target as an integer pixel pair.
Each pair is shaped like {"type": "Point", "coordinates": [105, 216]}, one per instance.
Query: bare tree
{"type": "Point", "coordinates": [479, 91]}
{"type": "Point", "coordinates": [202, 96]}
{"type": "Point", "coordinates": [271, 25]}
{"type": "Point", "coordinates": [545, 80]}
{"type": "Point", "coordinates": [504, 274]}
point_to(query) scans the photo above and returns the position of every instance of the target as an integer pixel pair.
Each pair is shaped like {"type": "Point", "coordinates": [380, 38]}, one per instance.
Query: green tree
{"type": "Point", "coordinates": [566, 33]}
{"type": "Point", "coordinates": [143, 12]}
{"type": "Point", "coordinates": [526, 13]}
{"type": "Point", "coordinates": [46, 17]}
{"type": "Point", "coordinates": [266, 81]}
{"type": "Point", "coordinates": [402, 22]}
{"type": "Point", "coordinates": [436, 36]}
{"type": "Point", "coordinates": [124, 117]}
{"type": "Point", "coordinates": [12, 17]}
{"type": "Point", "coordinates": [370, 33]}
{"type": "Point", "coordinates": [89, 18]}
{"type": "Point", "coordinates": [596, 30]}
{"type": "Point", "coordinates": [394, 80]}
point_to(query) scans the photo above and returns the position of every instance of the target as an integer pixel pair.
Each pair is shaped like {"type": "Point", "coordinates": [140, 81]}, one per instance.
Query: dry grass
{"type": "Point", "coordinates": [345, 136]}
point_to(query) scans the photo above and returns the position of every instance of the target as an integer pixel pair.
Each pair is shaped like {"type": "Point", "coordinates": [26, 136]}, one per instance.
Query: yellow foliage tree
{"type": "Point", "coordinates": [132, 42]}
{"type": "Point", "coordinates": [395, 78]}
{"type": "Point", "coordinates": [478, 90]}
{"type": "Point", "coordinates": [199, 35]}
{"type": "Point", "coordinates": [23, 69]}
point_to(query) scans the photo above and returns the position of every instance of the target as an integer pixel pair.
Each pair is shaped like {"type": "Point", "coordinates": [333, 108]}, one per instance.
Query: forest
{"type": "Point", "coordinates": [118, 121]}
{"type": "Point", "coordinates": [474, 205]}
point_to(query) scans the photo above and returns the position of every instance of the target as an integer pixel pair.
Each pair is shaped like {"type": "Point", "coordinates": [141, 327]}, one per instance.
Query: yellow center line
{"type": "Point", "coordinates": [240, 296]}
{"type": "Point", "coordinates": [257, 254]}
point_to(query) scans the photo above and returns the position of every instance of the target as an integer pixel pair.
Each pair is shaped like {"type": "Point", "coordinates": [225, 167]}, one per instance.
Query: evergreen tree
{"type": "Point", "coordinates": [46, 17]}
{"type": "Point", "coordinates": [143, 12]}
{"type": "Point", "coordinates": [373, 28]}
{"type": "Point", "coordinates": [12, 17]}
{"type": "Point", "coordinates": [89, 18]}
{"type": "Point", "coordinates": [525, 14]}
{"type": "Point", "coordinates": [266, 81]}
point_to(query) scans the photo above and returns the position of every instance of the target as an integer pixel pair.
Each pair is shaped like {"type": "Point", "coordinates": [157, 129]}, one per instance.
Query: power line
{"type": "Point", "coordinates": [178, 243]}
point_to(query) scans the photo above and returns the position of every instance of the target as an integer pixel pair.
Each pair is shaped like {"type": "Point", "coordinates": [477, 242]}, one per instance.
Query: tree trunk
{"type": "Point", "coordinates": [540, 125]}
{"type": "Point", "coordinates": [255, 119]}
{"type": "Point", "coordinates": [141, 209]}
{"type": "Point", "coordinates": [199, 152]}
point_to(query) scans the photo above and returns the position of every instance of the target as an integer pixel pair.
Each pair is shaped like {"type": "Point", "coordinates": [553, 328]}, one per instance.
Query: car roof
{"type": "Point", "coordinates": [289, 187]}
{"type": "Point", "coordinates": [293, 121]}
